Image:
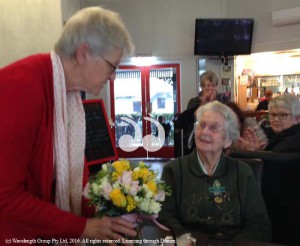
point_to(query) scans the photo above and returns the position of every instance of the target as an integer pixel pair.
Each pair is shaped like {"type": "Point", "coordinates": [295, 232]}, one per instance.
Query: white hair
{"type": "Point", "coordinates": [102, 29]}
{"type": "Point", "coordinates": [231, 121]}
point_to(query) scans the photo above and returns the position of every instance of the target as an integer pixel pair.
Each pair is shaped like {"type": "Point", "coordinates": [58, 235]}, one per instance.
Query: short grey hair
{"type": "Point", "coordinates": [209, 75]}
{"type": "Point", "coordinates": [102, 29]}
{"type": "Point", "coordinates": [231, 122]}
{"type": "Point", "coordinates": [288, 101]}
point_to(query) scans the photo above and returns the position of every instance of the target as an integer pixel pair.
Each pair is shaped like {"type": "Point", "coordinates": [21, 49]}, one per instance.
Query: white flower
{"type": "Point", "coordinates": [85, 192]}
{"type": "Point", "coordinates": [143, 204]}
{"type": "Point", "coordinates": [126, 177]}
{"type": "Point", "coordinates": [154, 207]}
{"type": "Point", "coordinates": [95, 188]}
{"type": "Point", "coordinates": [148, 193]}
{"type": "Point", "coordinates": [149, 206]}
{"type": "Point", "coordinates": [134, 188]}
{"type": "Point", "coordinates": [116, 185]}
{"type": "Point", "coordinates": [105, 190]}
{"type": "Point", "coordinates": [160, 196]}
{"type": "Point", "coordinates": [104, 167]}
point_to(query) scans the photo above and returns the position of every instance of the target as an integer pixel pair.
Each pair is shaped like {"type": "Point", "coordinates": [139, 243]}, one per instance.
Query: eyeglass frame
{"type": "Point", "coordinates": [115, 67]}
{"type": "Point", "coordinates": [199, 125]}
{"type": "Point", "coordinates": [281, 116]}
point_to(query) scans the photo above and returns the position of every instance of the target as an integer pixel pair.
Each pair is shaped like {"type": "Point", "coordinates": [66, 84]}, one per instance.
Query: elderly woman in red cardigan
{"type": "Point", "coordinates": [42, 133]}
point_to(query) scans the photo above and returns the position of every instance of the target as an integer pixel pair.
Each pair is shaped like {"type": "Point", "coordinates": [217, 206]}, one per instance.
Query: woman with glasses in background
{"type": "Point", "coordinates": [284, 112]}
{"type": "Point", "coordinates": [211, 193]}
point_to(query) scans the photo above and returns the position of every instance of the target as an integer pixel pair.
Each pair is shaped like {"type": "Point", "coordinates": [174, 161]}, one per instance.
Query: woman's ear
{"type": "Point", "coordinates": [82, 53]}
{"type": "Point", "coordinates": [297, 119]}
{"type": "Point", "coordinates": [228, 143]}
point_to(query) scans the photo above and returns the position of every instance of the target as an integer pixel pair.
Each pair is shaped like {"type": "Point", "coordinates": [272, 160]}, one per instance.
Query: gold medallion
{"type": "Point", "coordinates": [218, 199]}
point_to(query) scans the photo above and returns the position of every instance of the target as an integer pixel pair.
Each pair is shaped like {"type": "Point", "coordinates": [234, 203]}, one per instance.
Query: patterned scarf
{"type": "Point", "coordinates": [69, 142]}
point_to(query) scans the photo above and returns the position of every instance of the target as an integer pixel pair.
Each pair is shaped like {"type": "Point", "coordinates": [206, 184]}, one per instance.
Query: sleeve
{"type": "Point", "coordinates": [258, 106]}
{"type": "Point", "coordinates": [193, 103]}
{"type": "Point", "coordinates": [23, 105]}
{"type": "Point", "coordinates": [255, 221]}
{"type": "Point", "coordinates": [169, 215]}
{"type": "Point", "coordinates": [185, 119]}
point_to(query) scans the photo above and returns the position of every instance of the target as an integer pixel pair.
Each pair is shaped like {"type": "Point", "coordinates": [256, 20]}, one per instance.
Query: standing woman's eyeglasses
{"type": "Point", "coordinates": [113, 66]}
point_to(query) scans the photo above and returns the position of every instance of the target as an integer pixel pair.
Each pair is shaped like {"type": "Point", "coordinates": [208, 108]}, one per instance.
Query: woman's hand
{"type": "Point", "coordinates": [110, 228]}
{"type": "Point", "coordinates": [247, 144]}
{"type": "Point", "coordinates": [208, 96]}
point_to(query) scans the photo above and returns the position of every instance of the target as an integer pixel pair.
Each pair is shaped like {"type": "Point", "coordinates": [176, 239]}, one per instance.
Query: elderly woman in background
{"type": "Point", "coordinates": [208, 83]}
{"type": "Point", "coordinates": [284, 112]}
{"type": "Point", "coordinates": [214, 194]}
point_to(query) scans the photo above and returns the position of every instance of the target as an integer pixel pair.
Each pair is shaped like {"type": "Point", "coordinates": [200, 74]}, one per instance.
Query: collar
{"type": "Point", "coordinates": [196, 169]}
{"type": "Point", "coordinates": [203, 167]}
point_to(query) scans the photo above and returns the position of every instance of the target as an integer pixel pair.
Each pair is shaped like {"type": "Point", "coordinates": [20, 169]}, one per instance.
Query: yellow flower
{"type": "Point", "coordinates": [119, 167]}
{"type": "Point", "coordinates": [118, 198]}
{"type": "Point", "coordinates": [152, 186]}
{"type": "Point", "coordinates": [143, 173]}
{"type": "Point", "coordinates": [131, 204]}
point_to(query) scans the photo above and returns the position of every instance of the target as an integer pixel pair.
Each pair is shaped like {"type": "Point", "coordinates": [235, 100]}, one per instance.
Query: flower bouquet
{"type": "Point", "coordinates": [119, 189]}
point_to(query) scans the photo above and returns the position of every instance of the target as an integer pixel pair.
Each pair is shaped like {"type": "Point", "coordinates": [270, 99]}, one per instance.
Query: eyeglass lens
{"type": "Point", "coordinates": [280, 116]}
{"type": "Point", "coordinates": [109, 63]}
{"type": "Point", "coordinates": [214, 127]}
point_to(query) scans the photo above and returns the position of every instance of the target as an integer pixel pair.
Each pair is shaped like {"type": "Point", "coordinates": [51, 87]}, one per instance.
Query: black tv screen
{"type": "Point", "coordinates": [223, 37]}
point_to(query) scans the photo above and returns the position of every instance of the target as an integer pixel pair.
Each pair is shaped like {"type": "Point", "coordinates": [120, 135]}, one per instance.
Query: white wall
{"type": "Point", "coordinates": [266, 36]}
{"type": "Point", "coordinates": [68, 8]}
{"type": "Point", "coordinates": [165, 28]}
{"type": "Point", "coordinates": [28, 27]}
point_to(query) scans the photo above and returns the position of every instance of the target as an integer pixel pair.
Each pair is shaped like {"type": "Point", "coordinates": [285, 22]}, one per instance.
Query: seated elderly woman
{"type": "Point", "coordinates": [211, 193]}
{"type": "Point", "coordinates": [284, 112]}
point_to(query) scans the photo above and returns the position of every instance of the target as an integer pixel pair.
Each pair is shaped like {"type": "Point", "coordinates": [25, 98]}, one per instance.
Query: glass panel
{"type": "Point", "coordinates": [163, 101]}
{"type": "Point", "coordinates": [128, 108]}
{"type": "Point", "coordinates": [201, 69]}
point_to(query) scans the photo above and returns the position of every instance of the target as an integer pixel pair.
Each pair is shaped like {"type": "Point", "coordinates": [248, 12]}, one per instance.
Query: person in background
{"type": "Point", "coordinates": [42, 133]}
{"type": "Point", "coordinates": [252, 136]}
{"type": "Point", "coordinates": [208, 84]}
{"type": "Point", "coordinates": [284, 117]}
{"type": "Point", "coordinates": [211, 193]}
{"type": "Point", "coordinates": [167, 128]}
{"type": "Point", "coordinates": [263, 104]}
{"type": "Point", "coordinates": [185, 121]}
{"type": "Point", "coordinates": [249, 105]}
{"type": "Point", "coordinates": [292, 90]}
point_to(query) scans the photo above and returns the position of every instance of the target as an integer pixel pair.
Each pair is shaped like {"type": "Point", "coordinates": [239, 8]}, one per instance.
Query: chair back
{"type": "Point", "coordinates": [257, 168]}
{"type": "Point", "coordinates": [280, 188]}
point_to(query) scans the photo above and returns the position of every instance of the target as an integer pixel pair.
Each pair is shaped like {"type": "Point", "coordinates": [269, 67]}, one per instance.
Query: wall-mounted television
{"type": "Point", "coordinates": [223, 37]}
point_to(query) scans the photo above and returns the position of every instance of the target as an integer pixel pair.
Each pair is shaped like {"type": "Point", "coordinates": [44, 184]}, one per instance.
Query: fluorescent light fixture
{"type": "Point", "coordinates": [143, 61]}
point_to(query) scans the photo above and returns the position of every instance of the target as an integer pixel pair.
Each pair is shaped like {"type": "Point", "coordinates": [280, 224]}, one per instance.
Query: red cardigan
{"type": "Point", "coordinates": [26, 154]}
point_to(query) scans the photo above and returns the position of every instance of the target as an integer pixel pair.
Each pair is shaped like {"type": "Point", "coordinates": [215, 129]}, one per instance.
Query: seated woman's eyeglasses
{"type": "Point", "coordinates": [214, 127]}
{"type": "Point", "coordinates": [280, 116]}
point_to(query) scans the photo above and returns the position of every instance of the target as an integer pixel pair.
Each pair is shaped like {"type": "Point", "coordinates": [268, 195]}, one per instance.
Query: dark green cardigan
{"type": "Point", "coordinates": [228, 203]}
